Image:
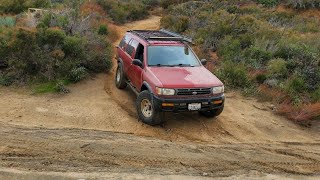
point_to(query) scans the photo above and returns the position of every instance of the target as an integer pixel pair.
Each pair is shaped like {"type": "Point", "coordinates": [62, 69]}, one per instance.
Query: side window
{"type": "Point", "coordinates": [124, 41]}
{"type": "Point", "coordinates": [139, 52]}
{"type": "Point", "coordinates": [132, 46]}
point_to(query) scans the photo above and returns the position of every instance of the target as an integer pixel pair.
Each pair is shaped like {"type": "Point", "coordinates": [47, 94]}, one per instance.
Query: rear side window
{"type": "Point", "coordinates": [124, 41]}
{"type": "Point", "coordinates": [132, 47]}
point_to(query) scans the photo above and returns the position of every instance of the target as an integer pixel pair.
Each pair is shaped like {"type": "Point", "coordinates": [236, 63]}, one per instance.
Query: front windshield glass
{"type": "Point", "coordinates": [171, 56]}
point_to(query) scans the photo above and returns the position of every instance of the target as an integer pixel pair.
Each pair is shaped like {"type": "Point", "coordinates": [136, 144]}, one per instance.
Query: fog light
{"type": "Point", "coordinates": [217, 102]}
{"type": "Point", "coordinates": [167, 104]}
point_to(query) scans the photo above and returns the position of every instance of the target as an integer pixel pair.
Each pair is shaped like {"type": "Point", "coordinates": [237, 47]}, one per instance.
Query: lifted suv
{"type": "Point", "coordinates": [161, 68]}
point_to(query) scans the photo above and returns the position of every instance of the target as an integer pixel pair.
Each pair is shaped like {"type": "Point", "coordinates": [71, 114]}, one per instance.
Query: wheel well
{"type": "Point", "coordinates": [144, 87]}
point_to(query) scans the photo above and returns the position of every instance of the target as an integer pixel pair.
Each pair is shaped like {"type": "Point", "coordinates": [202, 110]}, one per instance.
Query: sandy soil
{"type": "Point", "coordinates": [94, 132]}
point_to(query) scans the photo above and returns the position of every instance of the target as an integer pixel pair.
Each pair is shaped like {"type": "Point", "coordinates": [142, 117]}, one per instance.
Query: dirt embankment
{"type": "Point", "coordinates": [94, 131]}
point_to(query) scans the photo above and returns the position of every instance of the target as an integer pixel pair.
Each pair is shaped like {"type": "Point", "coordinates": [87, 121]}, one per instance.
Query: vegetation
{"type": "Point", "coordinates": [124, 11]}
{"type": "Point", "coordinates": [62, 49]}
{"type": "Point", "coordinates": [260, 49]}
{"type": "Point", "coordinates": [304, 4]}
{"type": "Point", "coordinates": [18, 6]}
{"type": "Point", "coordinates": [7, 21]}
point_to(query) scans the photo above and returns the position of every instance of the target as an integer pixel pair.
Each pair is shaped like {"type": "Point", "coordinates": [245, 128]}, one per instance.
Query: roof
{"type": "Point", "coordinates": [160, 36]}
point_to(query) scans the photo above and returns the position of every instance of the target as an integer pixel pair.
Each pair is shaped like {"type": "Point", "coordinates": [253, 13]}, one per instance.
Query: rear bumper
{"type": "Point", "coordinates": [181, 105]}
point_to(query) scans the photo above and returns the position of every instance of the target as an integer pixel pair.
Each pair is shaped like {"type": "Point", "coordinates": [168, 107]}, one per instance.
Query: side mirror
{"type": "Point", "coordinates": [204, 62]}
{"type": "Point", "coordinates": [137, 62]}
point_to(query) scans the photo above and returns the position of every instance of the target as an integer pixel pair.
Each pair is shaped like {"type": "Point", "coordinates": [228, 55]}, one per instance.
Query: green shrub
{"type": "Point", "coordinates": [166, 3]}
{"type": "Point", "coordinates": [234, 75]}
{"type": "Point", "coordinates": [123, 11]}
{"type": "Point", "coordinates": [303, 4]}
{"type": "Point", "coordinates": [73, 46]}
{"type": "Point", "coordinates": [261, 78]}
{"type": "Point", "coordinates": [77, 74]}
{"type": "Point", "coordinates": [99, 61]}
{"type": "Point", "coordinates": [295, 85]}
{"type": "Point", "coordinates": [257, 57]}
{"type": "Point", "coordinates": [61, 87]}
{"type": "Point", "coordinates": [151, 3]}
{"type": "Point", "coordinates": [54, 37]}
{"type": "Point", "coordinates": [18, 6]}
{"type": "Point", "coordinates": [316, 95]}
{"type": "Point", "coordinates": [12, 6]}
{"type": "Point", "coordinates": [178, 24]}
{"type": "Point", "coordinates": [136, 11]}
{"type": "Point", "coordinates": [46, 20]}
{"type": "Point", "coordinates": [40, 3]}
{"type": "Point", "coordinates": [268, 3]}
{"type": "Point", "coordinates": [119, 15]}
{"type": "Point", "coordinates": [7, 21]}
{"type": "Point", "coordinates": [103, 30]}
{"type": "Point", "coordinates": [6, 80]}
{"type": "Point", "coordinates": [230, 48]}
{"type": "Point", "coordinates": [277, 68]}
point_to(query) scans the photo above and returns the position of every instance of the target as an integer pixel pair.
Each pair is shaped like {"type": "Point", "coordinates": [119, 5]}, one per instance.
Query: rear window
{"type": "Point", "coordinates": [124, 41]}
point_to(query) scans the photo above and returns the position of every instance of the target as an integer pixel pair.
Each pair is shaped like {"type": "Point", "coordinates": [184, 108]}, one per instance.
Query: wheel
{"type": "Point", "coordinates": [147, 111]}
{"type": "Point", "coordinates": [211, 113]}
{"type": "Point", "coordinates": [120, 78]}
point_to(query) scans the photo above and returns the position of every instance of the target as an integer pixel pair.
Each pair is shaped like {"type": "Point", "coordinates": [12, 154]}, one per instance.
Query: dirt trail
{"type": "Point", "coordinates": [79, 132]}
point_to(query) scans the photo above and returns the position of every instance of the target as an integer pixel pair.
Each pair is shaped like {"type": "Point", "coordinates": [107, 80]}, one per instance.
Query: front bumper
{"type": "Point", "coordinates": [181, 104]}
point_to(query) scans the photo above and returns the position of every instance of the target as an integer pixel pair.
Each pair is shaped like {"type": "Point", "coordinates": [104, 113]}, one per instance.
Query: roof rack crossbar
{"type": "Point", "coordinates": [184, 38]}
{"type": "Point", "coordinates": [164, 35]}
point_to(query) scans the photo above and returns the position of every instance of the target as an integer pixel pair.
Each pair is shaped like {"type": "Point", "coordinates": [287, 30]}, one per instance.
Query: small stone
{"type": "Point", "coordinates": [204, 174]}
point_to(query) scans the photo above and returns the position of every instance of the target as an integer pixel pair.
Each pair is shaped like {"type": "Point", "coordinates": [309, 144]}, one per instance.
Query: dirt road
{"type": "Point", "coordinates": [94, 132]}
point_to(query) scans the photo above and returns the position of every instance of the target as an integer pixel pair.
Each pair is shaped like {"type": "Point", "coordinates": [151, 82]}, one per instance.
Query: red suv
{"type": "Point", "coordinates": [161, 68]}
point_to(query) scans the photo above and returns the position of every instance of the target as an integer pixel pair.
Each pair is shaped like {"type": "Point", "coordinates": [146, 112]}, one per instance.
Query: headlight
{"type": "Point", "coordinates": [218, 90]}
{"type": "Point", "coordinates": [165, 91]}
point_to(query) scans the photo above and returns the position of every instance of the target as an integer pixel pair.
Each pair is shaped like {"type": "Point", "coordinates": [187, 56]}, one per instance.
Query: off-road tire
{"type": "Point", "coordinates": [120, 79]}
{"type": "Point", "coordinates": [155, 117]}
{"type": "Point", "coordinates": [211, 113]}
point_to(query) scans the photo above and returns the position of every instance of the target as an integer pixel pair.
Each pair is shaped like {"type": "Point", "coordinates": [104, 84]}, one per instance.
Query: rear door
{"type": "Point", "coordinates": [123, 52]}
{"type": "Point", "coordinates": [137, 72]}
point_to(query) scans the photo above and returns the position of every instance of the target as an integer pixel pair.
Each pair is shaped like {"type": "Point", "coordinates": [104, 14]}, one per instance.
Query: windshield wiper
{"type": "Point", "coordinates": [182, 65]}
{"type": "Point", "coordinates": [158, 65]}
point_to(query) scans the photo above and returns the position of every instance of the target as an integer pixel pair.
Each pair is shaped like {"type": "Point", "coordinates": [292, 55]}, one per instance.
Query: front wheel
{"type": "Point", "coordinates": [120, 78]}
{"type": "Point", "coordinates": [211, 113]}
{"type": "Point", "coordinates": [147, 111]}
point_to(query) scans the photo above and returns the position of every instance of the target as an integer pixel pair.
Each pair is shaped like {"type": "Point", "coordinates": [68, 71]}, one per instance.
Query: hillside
{"type": "Point", "coordinates": [270, 51]}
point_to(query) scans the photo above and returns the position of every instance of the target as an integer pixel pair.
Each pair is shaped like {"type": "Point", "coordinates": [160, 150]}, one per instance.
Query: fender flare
{"type": "Point", "coordinates": [148, 86]}
{"type": "Point", "coordinates": [120, 61]}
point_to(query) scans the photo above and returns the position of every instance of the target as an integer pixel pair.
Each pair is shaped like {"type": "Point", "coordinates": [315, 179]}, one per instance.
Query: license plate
{"type": "Point", "coordinates": [194, 106]}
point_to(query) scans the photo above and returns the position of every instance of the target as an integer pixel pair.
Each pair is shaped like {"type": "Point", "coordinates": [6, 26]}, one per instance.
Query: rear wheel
{"type": "Point", "coordinates": [211, 113]}
{"type": "Point", "coordinates": [147, 111]}
{"type": "Point", "coordinates": [120, 78]}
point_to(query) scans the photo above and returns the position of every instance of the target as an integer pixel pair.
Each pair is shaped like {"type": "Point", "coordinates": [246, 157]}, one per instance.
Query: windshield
{"type": "Point", "coordinates": [171, 56]}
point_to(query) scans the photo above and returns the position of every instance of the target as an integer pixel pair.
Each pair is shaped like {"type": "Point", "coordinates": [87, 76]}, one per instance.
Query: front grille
{"type": "Point", "coordinates": [194, 91]}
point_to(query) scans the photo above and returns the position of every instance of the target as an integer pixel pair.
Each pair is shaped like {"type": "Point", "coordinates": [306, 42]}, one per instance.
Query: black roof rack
{"type": "Point", "coordinates": [161, 35]}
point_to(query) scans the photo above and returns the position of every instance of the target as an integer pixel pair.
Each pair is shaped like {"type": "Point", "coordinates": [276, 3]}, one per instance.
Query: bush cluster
{"type": "Point", "coordinates": [63, 48]}
{"type": "Point", "coordinates": [18, 6]}
{"type": "Point", "coordinates": [268, 3]}
{"type": "Point", "coordinates": [7, 21]}
{"type": "Point", "coordinates": [303, 4]}
{"type": "Point", "coordinates": [49, 55]}
{"type": "Point", "coordinates": [252, 39]}
{"type": "Point", "coordinates": [124, 11]}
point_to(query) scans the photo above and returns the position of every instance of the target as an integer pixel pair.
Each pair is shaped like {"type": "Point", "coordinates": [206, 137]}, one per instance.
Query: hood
{"type": "Point", "coordinates": [185, 77]}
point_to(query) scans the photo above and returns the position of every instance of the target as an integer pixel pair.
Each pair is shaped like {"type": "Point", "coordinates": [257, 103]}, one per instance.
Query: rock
{"type": "Point", "coordinates": [271, 82]}
{"type": "Point", "coordinates": [204, 174]}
